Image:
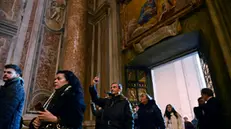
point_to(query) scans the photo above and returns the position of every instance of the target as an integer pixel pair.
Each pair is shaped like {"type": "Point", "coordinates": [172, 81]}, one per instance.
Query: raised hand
{"type": "Point", "coordinates": [95, 81]}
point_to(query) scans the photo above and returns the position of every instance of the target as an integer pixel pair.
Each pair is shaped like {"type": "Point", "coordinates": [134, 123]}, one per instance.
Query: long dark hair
{"type": "Point", "coordinates": [75, 86]}
{"type": "Point", "coordinates": [168, 114]}
{"type": "Point", "coordinates": [73, 81]}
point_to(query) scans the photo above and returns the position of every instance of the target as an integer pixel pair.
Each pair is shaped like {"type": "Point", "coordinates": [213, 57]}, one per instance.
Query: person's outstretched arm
{"type": "Point", "coordinates": [94, 95]}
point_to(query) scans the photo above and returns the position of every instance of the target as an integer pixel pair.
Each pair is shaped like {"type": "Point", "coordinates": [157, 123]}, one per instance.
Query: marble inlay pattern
{"type": "Point", "coordinates": [11, 9]}
{"type": "Point", "coordinates": [46, 70]}
{"type": "Point", "coordinates": [28, 34]}
{"type": "Point", "coordinates": [41, 51]}
{"type": "Point", "coordinates": [74, 53]}
{"type": "Point", "coordinates": [47, 61]}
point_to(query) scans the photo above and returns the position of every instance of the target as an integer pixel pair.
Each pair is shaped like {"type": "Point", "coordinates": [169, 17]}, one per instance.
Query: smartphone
{"type": "Point", "coordinates": [98, 75]}
{"type": "Point", "coordinates": [39, 107]}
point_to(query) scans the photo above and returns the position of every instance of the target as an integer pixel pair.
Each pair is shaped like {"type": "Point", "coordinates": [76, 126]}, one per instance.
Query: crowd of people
{"type": "Point", "coordinates": [65, 108]}
{"type": "Point", "coordinates": [115, 112]}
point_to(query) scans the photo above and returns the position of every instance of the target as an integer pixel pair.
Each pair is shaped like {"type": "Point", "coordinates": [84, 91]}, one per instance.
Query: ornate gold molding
{"type": "Point", "coordinates": [157, 36]}
{"type": "Point", "coordinates": [187, 9]}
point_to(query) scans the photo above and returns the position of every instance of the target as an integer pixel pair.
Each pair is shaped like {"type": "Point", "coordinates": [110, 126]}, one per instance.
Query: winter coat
{"type": "Point", "coordinates": [213, 114]}
{"type": "Point", "coordinates": [12, 97]}
{"type": "Point", "coordinates": [199, 113]}
{"type": "Point", "coordinates": [150, 116]}
{"type": "Point", "coordinates": [188, 125]}
{"type": "Point", "coordinates": [174, 122]}
{"type": "Point", "coordinates": [117, 111]}
{"type": "Point", "coordinates": [68, 106]}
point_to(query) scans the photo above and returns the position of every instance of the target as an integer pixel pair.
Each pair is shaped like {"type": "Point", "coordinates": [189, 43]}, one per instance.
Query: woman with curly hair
{"type": "Point", "coordinates": [65, 107]}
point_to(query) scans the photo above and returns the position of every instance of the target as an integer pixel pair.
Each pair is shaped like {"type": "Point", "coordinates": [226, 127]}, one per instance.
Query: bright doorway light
{"type": "Point", "coordinates": [179, 83]}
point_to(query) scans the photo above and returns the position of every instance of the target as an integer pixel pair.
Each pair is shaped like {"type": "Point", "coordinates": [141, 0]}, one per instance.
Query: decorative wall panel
{"type": "Point", "coordinates": [5, 42]}
{"type": "Point", "coordinates": [139, 16]}
{"type": "Point", "coordinates": [10, 10]}
{"type": "Point", "coordinates": [47, 60]}
{"type": "Point", "coordinates": [28, 34]}
{"type": "Point", "coordinates": [46, 69]}
{"type": "Point", "coordinates": [47, 48]}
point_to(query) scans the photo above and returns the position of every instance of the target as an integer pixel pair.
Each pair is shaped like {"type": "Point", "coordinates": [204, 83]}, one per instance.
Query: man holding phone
{"type": "Point", "coordinates": [117, 109]}
{"type": "Point", "coordinates": [12, 96]}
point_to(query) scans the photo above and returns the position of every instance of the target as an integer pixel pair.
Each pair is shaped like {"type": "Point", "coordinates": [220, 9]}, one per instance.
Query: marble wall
{"type": "Point", "coordinates": [5, 42]}
{"type": "Point", "coordinates": [28, 41]}
{"type": "Point", "coordinates": [35, 44]}
{"type": "Point", "coordinates": [11, 10]}
{"type": "Point", "coordinates": [28, 34]}
{"type": "Point", "coordinates": [45, 66]}
{"type": "Point", "coordinates": [10, 20]}
{"type": "Point", "coordinates": [40, 54]}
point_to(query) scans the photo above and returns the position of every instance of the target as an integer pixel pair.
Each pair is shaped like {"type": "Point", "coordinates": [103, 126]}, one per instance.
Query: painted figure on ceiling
{"type": "Point", "coordinates": [168, 8]}
{"type": "Point", "coordinates": [148, 10]}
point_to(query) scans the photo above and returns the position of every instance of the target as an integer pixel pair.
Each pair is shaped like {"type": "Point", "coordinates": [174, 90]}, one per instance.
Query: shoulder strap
{"type": "Point", "coordinates": [67, 89]}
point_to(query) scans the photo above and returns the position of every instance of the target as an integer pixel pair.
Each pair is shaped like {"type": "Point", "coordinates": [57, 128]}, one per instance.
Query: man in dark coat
{"type": "Point", "coordinates": [199, 113]}
{"type": "Point", "coordinates": [117, 111]}
{"type": "Point", "coordinates": [12, 98]}
{"type": "Point", "coordinates": [212, 110]}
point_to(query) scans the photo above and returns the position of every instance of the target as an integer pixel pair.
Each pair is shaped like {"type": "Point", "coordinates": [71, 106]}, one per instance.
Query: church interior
{"type": "Point", "coordinates": [121, 41]}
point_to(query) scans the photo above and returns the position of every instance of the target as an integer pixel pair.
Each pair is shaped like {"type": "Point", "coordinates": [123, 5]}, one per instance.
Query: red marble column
{"type": "Point", "coordinates": [75, 45]}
